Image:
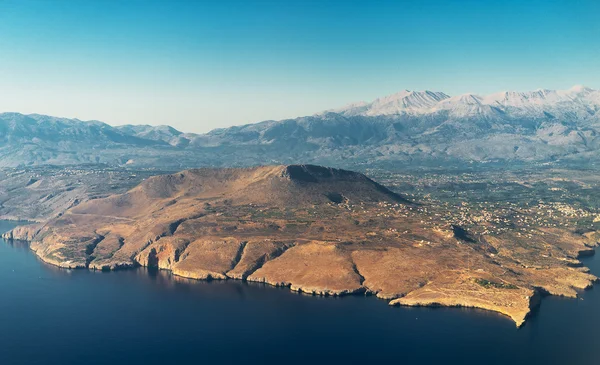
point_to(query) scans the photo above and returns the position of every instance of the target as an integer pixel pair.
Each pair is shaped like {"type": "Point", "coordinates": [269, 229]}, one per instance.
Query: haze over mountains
{"type": "Point", "coordinates": [409, 127]}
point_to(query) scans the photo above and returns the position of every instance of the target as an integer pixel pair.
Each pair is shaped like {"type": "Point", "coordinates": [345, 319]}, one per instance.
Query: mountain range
{"type": "Point", "coordinates": [406, 128]}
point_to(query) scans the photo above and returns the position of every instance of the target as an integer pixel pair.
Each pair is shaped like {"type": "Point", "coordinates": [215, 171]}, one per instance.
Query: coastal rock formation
{"type": "Point", "coordinates": [315, 230]}
{"type": "Point", "coordinates": [23, 233]}
{"type": "Point", "coordinates": [312, 267]}
{"type": "Point", "coordinates": [461, 290]}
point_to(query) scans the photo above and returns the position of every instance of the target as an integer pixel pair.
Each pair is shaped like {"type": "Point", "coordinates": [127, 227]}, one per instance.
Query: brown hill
{"type": "Point", "coordinates": [281, 186]}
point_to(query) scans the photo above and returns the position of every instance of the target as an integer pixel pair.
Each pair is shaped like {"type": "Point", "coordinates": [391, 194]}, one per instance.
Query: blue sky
{"type": "Point", "coordinates": [198, 65]}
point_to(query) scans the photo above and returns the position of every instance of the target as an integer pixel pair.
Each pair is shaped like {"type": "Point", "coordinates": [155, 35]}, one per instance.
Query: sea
{"type": "Point", "coordinates": [53, 316]}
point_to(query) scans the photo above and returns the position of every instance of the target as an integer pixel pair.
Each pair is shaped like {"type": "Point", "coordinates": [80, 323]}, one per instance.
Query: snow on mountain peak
{"type": "Point", "coordinates": [523, 99]}
{"type": "Point", "coordinates": [578, 99]}
{"type": "Point", "coordinates": [469, 99]}
{"type": "Point", "coordinates": [405, 101]}
{"type": "Point", "coordinates": [580, 89]}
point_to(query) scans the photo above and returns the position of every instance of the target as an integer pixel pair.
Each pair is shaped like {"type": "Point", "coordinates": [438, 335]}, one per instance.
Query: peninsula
{"type": "Point", "coordinates": [315, 230]}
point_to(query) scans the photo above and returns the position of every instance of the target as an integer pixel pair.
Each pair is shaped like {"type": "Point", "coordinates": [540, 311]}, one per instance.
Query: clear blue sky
{"type": "Point", "coordinates": [198, 65]}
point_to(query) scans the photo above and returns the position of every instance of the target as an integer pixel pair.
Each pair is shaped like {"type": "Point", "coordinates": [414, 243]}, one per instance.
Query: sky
{"type": "Point", "coordinates": [200, 65]}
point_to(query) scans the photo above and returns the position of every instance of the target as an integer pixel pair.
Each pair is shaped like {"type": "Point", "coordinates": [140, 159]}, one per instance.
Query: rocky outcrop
{"type": "Point", "coordinates": [163, 254]}
{"type": "Point", "coordinates": [23, 233]}
{"type": "Point", "coordinates": [463, 290]}
{"type": "Point", "coordinates": [209, 258]}
{"type": "Point", "coordinates": [255, 254]}
{"type": "Point", "coordinates": [315, 267]}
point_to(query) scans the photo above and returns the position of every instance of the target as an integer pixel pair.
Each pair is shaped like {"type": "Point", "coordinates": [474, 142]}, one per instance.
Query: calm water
{"type": "Point", "coordinates": [55, 316]}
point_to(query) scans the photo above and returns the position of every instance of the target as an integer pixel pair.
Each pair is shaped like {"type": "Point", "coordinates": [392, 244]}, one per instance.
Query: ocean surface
{"type": "Point", "coordinates": [55, 316]}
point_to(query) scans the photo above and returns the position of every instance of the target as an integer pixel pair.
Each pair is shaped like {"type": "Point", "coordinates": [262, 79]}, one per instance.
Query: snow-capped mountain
{"type": "Point", "coordinates": [465, 106]}
{"type": "Point", "coordinates": [579, 100]}
{"type": "Point", "coordinates": [405, 101]}
{"type": "Point", "coordinates": [409, 127]}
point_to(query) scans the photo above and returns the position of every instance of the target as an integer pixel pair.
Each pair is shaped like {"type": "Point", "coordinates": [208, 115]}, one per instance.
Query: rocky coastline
{"type": "Point", "coordinates": [520, 309]}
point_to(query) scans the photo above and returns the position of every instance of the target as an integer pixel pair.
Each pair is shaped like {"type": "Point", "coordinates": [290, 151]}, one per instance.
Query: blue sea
{"type": "Point", "coordinates": [56, 316]}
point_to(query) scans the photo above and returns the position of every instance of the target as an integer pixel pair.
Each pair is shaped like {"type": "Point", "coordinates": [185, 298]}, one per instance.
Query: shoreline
{"type": "Point", "coordinates": [518, 320]}
{"type": "Point", "coordinates": [10, 218]}
{"type": "Point", "coordinates": [459, 289]}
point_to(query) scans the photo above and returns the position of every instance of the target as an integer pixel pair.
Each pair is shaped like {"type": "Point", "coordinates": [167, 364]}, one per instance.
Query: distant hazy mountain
{"type": "Point", "coordinates": [410, 127]}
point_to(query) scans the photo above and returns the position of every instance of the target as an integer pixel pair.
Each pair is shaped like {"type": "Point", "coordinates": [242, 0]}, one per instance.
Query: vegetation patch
{"type": "Point", "coordinates": [493, 284]}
